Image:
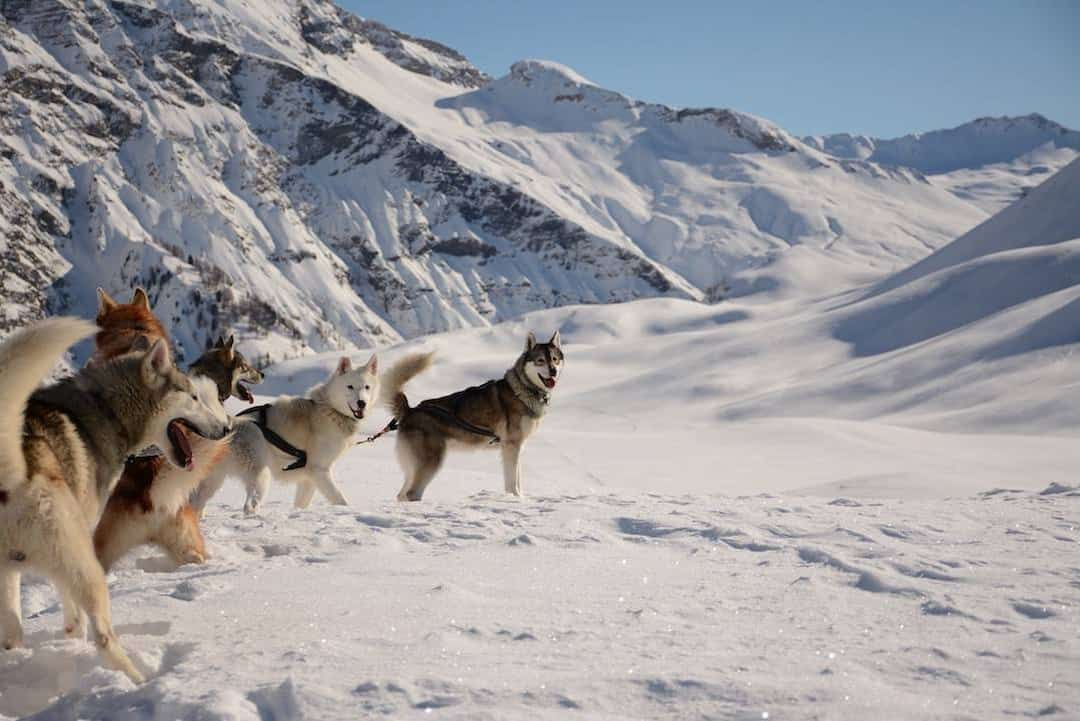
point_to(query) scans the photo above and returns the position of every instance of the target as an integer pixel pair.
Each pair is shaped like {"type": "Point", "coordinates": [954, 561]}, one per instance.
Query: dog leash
{"type": "Point", "coordinates": [391, 426]}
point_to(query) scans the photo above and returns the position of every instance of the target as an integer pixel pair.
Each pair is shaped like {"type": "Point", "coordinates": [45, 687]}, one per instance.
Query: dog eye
{"type": "Point", "coordinates": [195, 397]}
{"type": "Point", "coordinates": [350, 388]}
{"type": "Point", "coordinates": [367, 388]}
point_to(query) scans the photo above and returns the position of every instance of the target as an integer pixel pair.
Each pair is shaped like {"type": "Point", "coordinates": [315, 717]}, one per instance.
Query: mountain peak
{"type": "Point", "coordinates": [547, 72]}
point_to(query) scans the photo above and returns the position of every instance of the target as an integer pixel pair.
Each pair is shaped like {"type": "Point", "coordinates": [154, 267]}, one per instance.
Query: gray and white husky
{"type": "Point", "coordinates": [61, 452]}
{"type": "Point", "coordinates": [502, 412]}
{"type": "Point", "coordinates": [322, 425]}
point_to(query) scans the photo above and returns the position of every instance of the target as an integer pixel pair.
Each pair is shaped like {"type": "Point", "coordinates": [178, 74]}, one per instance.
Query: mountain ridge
{"type": "Point", "coordinates": [317, 181]}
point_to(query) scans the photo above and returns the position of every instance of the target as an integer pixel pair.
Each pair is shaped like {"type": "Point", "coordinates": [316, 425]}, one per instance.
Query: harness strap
{"type": "Point", "coordinates": [274, 439]}
{"type": "Point", "coordinates": [444, 414]}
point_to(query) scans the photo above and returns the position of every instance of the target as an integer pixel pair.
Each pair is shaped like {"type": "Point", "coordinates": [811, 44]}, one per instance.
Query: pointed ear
{"type": "Point", "coordinates": [344, 366]}
{"type": "Point", "coordinates": [141, 298]}
{"type": "Point", "coordinates": [372, 365]}
{"type": "Point", "coordinates": [219, 343]}
{"type": "Point", "coordinates": [141, 344]}
{"type": "Point", "coordinates": [230, 343]}
{"type": "Point", "coordinates": [156, 363]}
{"type": "Point", "coordinates": [530, 341]}
{"type": "Point", "coordinates": [556, 340]}
{"type": "Point", "coordinates": [105, 302]}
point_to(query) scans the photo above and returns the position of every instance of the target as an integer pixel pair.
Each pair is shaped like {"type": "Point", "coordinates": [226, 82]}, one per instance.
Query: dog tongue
{"type": "Point", "coordinates": [245, 394]}
{"type": "Point", "coordinates": [549, 382]}
{"type": "Point", "coordinates": [181, 445]}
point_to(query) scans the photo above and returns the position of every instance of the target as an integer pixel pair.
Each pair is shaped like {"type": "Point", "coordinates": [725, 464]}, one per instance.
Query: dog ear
{"type": "Point", "coordinates": [105, 302]}
{"type": "Point", "coordinates": [228, 346]}
{"type": "Point", "coordinates": [556, 340]}
{"type": "Point", "coordinates": [530, 341]}
{"type": "Point", "coordinates": [141, 344]}
{"type": "Point", "coordinates": [372, 365]}
{"type": "Point", "coordinates": [219, 343]}
{"type": "Point", "coordinates": [156, 363]}
{"type": "Point", "coordinates": [141, 298]}
{"type": "Point", "coordinates": [344, 366]}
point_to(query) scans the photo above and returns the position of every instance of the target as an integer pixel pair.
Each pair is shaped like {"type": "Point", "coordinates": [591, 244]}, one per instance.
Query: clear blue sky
{"type": "Point", "coordinates": [882, 68]}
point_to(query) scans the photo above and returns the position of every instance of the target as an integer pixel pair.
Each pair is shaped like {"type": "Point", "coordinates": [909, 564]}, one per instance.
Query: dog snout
{"type": "Point", "coordinates": [361, 405]}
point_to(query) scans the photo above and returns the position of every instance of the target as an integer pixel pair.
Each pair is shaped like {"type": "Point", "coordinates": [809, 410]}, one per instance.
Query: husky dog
{"type": "Point", "coordinates": [121, 324]}
{"type": "Point", "coordinates": [150, 503]}
{"type": "Point", "coordinates": [320, 426]}
{"type": "Point", "coordinates": [505, 411]}
{"type": "Point", "coordinates": [61, 451]}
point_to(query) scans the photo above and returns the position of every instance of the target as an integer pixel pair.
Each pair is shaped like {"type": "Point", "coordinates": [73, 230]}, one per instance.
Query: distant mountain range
{"type": "Point", "coordinates": [314, 180]}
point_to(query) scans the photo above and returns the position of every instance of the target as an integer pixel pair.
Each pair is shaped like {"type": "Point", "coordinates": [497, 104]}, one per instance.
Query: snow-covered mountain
{"type": "Point", "coordinates": [315, 180]}
{"type": "Point", "coordinates": [989, 161]}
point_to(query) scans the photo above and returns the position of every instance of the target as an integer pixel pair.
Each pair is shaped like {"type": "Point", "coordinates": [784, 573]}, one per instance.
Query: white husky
{"type": "Point", "coordinates": [319, 426]}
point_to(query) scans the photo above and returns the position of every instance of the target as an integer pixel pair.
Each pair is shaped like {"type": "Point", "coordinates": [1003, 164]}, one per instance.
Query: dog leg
{"type": "Point", "coordinates": [257, 490]}
{"type": "Point", "coordinates": [79, 575]}
{"type": "Point", "coordinates": [511, 459]}
{"type": "Point", "coordinates": [324, 481]}
{"type": "Point", "coordinates": [421, 477]}
{"type": "Point", "coordinates": [179, 535]}
{"type": "Point", "coordinates": [420, 458]}
{"type": "Point", "coordinates": [305, 491]}
{"type": "Point", "coordinates": [10, 609]}
{"type": "Point", "coordinates": [207, 489]}
{"type": "Point", "coordinates": [118, 532]}
{"type": "Point", "coordinates": [74, 618]}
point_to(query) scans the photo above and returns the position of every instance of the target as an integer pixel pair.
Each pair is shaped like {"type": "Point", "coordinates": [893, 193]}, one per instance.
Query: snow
{"type": "Point", "coordinates": [686, 550]}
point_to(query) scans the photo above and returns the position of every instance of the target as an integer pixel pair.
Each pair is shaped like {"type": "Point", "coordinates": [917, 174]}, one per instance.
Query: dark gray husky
{"type": "Point", "coordinates": [502, 412]}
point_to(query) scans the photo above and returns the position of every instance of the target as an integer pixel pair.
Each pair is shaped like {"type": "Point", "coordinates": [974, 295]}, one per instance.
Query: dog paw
{"type": "Point", "coordinates": [194, 557]}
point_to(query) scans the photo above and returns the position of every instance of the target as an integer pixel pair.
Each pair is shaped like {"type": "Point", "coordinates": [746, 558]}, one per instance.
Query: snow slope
{"type": "Point", "coordinates": [669, 562]}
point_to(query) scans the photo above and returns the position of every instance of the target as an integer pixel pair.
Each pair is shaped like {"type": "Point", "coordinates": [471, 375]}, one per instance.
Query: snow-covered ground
{"type": "Point", "coordinates": [690, 548]}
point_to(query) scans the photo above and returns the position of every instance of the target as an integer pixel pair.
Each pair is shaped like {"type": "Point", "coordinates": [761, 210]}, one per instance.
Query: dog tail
{"type": "Point", "coordinates": [26, 357]}
{"type": "Point", "coordinates": [400, 373]}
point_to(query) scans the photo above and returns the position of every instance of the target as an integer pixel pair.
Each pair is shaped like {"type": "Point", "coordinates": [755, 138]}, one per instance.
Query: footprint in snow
{"type": "Point", "coordinates": [1036, 610]}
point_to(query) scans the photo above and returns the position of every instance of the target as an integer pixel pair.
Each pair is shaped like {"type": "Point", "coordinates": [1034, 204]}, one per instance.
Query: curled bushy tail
{"type": "Point", "coordinates": [26, 357]}
{"type": "Point", "coordinates": [394, 380]}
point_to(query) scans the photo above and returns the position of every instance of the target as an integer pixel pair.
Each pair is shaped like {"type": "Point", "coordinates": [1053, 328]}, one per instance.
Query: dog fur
{"type": "Point", "coordinates": [511, 408]}
{"type": "Point", "coordinates": [121, 324]}
{"type": "Point", "coordinates": [322, 424]}
{"type": "Point", "coordinates": [62, 448]}
{"type": "Point", "coordinates": [150, 503]}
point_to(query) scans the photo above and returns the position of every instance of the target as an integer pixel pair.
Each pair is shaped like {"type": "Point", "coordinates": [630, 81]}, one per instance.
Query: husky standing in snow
{"type": "Point", "coordinates": [307, 435]}
{"type": "Point", "coordinates": [150, 502]}
{"type": "Point", "coordinates": [505, 411]}
{"type": "Point", "coordinates": [62, 448]}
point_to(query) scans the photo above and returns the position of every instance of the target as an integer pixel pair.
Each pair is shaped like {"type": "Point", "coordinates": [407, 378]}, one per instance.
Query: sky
{"type": "Point", "coordinates": [880, 68]}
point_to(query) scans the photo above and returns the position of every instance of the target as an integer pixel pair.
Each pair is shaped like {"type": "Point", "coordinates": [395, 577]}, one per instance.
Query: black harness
{"type": "Point", "coordinates": [274, 439]}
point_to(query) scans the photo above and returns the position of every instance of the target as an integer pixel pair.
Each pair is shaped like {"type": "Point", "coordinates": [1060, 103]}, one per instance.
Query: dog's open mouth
{"type": "Point", "coordinates": [177, 432]}
{"type": "Point", "coordinates": [243, 393]}
{"type": "Point", "coordinates": [358, 413]}
{"type": "Point", "coordinates": [549, 382]}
